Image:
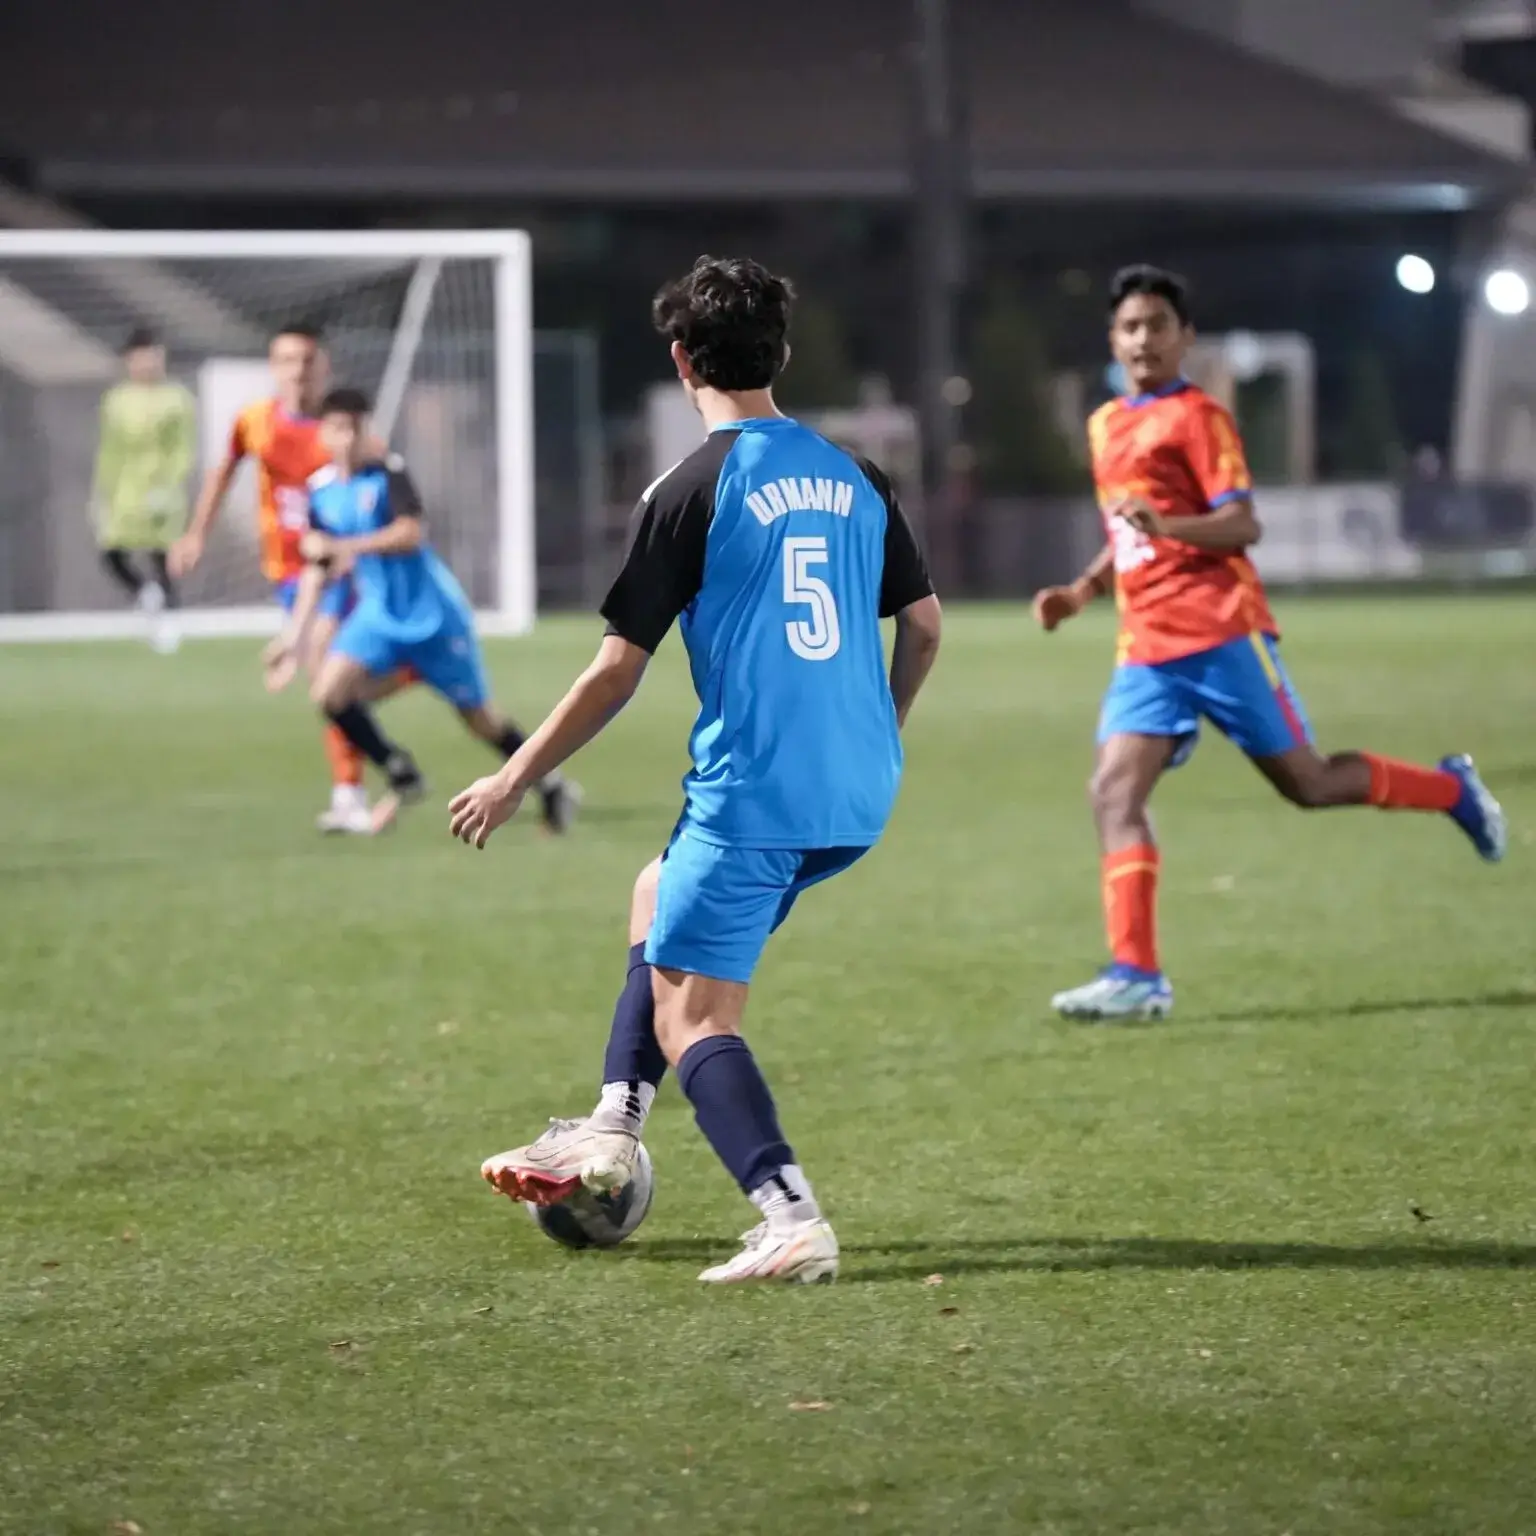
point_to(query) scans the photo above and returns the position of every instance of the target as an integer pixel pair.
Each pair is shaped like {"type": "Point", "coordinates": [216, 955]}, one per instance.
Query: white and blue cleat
{"type": "Point", "coordinates": [1477, 813]}
{"type": "Point", "coordinates": [1117, 993]}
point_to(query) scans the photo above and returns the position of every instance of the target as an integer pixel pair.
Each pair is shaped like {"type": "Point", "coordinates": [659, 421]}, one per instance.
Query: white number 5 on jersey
{"type": "Point", "coordinates": [816, 638]}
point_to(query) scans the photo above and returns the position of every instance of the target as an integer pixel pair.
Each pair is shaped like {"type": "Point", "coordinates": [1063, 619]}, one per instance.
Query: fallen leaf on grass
{"type": "Point", "coordinates": [448, 1027]}
{"type": "Point", "coordinates": [50, 1263]}
{"type": "Point", "coordinates": [858, 1509]}
{"type": "Point", "coordinates": [129, 1235]}
{"type": "Point", "coordinates": [933, 1280]}
{"type": "Point", "coordinates": [949, 1311]}
{"type": "Point", "coordinates": [126, 1528]}
{"type": "Point", "coordinates": [1419, 1214]}
{"type": "Point", "coordinates": [483, 1311]}
{"type": "Point", "coordinates": [340, 1345]}
{"type": "Point", "coordinates": [964, 1349]}
{"type": "Point", "coordinates": [815, 1405]}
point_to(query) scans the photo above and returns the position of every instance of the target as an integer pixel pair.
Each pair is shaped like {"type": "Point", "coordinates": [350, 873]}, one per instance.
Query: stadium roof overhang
{"type": "Point", "coordinates": [615, 101]}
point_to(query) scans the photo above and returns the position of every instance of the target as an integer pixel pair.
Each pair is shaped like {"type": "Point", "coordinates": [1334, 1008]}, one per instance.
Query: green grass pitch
{"type": "Point", "coordinates": [1160, 1279]}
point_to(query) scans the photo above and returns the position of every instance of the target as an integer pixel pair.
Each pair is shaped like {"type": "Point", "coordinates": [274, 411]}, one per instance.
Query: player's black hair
{"type": "Point", "coordinates": [310, 330]}
{"type": "Point", "coordinates": [138, 338]}
{"type": "Point", "coordinates": [730, 314]}
{"type": "Point", "coordinates": [345, 401]}
{"type": "Point", "coordinates": [1154, 281]}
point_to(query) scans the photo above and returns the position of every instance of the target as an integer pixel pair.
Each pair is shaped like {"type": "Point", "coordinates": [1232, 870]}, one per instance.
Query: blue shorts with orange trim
{"type": "Point", "coordinates": [1240, 687]}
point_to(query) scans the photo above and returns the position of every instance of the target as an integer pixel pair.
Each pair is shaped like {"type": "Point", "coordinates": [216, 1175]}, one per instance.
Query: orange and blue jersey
{"type": "Point", "coordinates": [287, 452]}
{"type": "Point", "coordinates": [1197, 639]}
{"type": "Point", "coordinates": [1178, 450]}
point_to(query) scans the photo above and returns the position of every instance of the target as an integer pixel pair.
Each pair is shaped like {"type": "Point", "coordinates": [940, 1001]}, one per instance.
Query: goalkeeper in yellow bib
{"type": "Point", "coordinates": [143, 466]}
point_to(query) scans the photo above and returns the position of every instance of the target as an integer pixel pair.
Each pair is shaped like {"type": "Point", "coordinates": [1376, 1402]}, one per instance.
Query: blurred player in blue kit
{"type": "Point", "coordinates": [778, 554]}
{"type": "Point", "coordinates": [366, 522]}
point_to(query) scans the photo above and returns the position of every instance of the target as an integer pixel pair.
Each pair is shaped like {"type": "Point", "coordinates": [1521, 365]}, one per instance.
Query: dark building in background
{"type": "Point", "coordinates": [628, 137]}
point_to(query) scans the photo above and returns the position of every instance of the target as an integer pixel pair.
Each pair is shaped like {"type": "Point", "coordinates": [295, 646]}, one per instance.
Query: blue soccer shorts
{"type": "Point", "coordinates": [448, 661]}
{"type": "Point", "coordinates": [716, 907]}
{"type": "Point", "coordinates": [336, 602]}
{"type": "Point", "coordinates": [1240, 687]}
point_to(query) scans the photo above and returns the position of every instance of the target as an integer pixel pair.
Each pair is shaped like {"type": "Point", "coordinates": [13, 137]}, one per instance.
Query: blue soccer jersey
{"type": "Point", "coordinates": [409, 597]}
{"type": "Point", "coordinates": [780, 554]}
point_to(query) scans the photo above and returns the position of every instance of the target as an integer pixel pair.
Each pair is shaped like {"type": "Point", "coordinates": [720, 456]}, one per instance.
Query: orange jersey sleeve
{"type": "Point", "coordinates": [1180, 452]}
{"type": "Point", "coordinates": [1214, 452]}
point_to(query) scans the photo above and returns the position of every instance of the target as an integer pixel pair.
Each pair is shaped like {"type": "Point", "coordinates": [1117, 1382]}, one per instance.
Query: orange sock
{"type": "Point", "coordinates": [1130, 905]}
{"type": "Point", "coordinates": [346, 761]}
{"type": "Point", "coordinates": [1399, 786]}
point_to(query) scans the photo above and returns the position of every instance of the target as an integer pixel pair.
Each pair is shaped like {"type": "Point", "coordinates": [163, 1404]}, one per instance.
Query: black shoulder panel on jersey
{"type": "Point", "coordinates": [404, 498]}
{"type": "Point", "coordinates": [905, 579]}
{"type": "Point", "coordinates": [664, 565]}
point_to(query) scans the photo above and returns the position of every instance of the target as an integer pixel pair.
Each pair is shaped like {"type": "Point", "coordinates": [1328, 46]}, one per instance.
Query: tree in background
{"type": "Point", "coordinates": [821, 375]}
{"type": "Point", "coordinates": [1012, 419]}
{"type": "Point", "coordinates": [1368, 444]}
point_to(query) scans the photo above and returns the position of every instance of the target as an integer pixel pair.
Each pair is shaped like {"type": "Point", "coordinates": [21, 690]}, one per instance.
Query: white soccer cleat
{"type": "Point", "coordinates": [790, 1252]}
{"type": "Point", "coordinates": [1121, 992]}
{"type": "Point", "coordinates": [346, 821]}
{"type": "Point", "coordinates": [348, 815]}
{"type": "Point", "coordinates": [165, 635]}
{"type": "Point", "coordinates": [151, 598]}
{"type": "Point", "coordinates": [570, 1155]}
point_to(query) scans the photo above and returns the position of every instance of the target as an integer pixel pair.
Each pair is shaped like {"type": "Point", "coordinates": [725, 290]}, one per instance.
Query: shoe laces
{"type": "Point", "coordinates": [557, 1127]}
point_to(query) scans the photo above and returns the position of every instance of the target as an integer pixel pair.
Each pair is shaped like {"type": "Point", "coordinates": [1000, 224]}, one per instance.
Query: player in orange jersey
{"type": "Point", "coordinates": [1197, 640]}
{"type": "Point", "coordinates": [282, 435]}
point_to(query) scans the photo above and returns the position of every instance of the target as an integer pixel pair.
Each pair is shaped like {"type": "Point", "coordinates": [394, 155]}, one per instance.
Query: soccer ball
{"type": "Point", "coordinates": [585, 1220]}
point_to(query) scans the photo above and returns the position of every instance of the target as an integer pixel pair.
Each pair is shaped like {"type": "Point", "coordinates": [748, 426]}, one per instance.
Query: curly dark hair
{"type": "Point", "coordinates": [731, 316]}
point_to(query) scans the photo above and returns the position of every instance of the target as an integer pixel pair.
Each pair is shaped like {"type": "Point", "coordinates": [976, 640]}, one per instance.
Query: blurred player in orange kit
{"type": "Point", "coordinates": [1197, 641]}
{"type": "Point", "coordinates": [282, 435]}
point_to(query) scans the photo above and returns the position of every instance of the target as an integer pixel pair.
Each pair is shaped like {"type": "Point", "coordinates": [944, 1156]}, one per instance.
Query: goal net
{"type": "Point", "coordinates": [435, 326]}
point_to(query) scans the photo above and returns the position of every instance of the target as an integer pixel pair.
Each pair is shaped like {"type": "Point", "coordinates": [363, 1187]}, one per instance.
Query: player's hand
{"type": "Point", "coordinates": [1141, 515]}
{"type": "Point", "coordinates": [476, 812]}
{"type": "Point", "coordinates": [1053, 606]}
{"type": "Point", "coordinates": [182, 558]}
{"type": "Point", "coordinates": [280, 663]}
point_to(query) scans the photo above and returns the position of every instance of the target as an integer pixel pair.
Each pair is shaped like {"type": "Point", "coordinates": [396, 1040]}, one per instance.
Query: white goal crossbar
{"type": "Point", "coordinates": [129, 257]}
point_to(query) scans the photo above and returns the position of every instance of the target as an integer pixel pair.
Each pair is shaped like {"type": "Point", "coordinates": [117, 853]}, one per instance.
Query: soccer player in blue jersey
{"type": "Point", "coordinates": [366, 522]}
{"type": "Point", "coordinates": [779, 554]}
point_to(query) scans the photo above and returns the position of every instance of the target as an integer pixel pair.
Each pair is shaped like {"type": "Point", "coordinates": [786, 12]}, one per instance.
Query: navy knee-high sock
{"type": "Point", "coordinates": [633, 1055]}
{"type": "Point", "coordinates": [358, 724]}
{"type": "Point", "coordinates": [734, 1109]}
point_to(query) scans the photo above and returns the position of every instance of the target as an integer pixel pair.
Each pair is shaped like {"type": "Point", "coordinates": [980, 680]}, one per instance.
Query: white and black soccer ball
{"type": "Point", "coordinates": [585, 1220]}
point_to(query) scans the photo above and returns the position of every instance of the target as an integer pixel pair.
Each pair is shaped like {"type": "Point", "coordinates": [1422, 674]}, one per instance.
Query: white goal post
{"type": "Point", "coordinates": [436, 325]}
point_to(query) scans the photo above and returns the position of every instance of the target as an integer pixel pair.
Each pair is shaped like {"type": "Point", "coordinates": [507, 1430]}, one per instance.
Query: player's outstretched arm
{"type": "Point", "coordinates": [593, 700]}
{"type": "Point", "coordinates": [188, 549]}
{"type": "Point", "coordinates": [1053, 606]}
{"type": "Point", "coordinates": [918, 629]}
{"type": "Point", "coordinates": [280, 659]}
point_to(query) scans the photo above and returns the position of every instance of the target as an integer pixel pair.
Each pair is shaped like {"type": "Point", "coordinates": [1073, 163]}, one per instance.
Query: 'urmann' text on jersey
{"type": "Point", "coordinates": [779, 497]}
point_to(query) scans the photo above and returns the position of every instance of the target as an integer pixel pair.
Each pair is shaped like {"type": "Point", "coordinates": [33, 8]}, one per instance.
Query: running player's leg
{"type": "Point", "coordinates": [1146, 726]}
{"type": "Point", "coordinates": [123, 571]}
{"type": "Point", "coordinates": [602, 1147]}
{"type": "Point", "coordinates": [451, 663]}
{"type": "Point", "coordinates": [348, 810]}
{"type": "Point", "coordinates": [715, 909]}
{"type": "Point", "coordinates": [1250, 697]}
{"type": "Point", "coordinates": [358, 659]}
{"type": "Point", "coordinates": [162, 574]}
